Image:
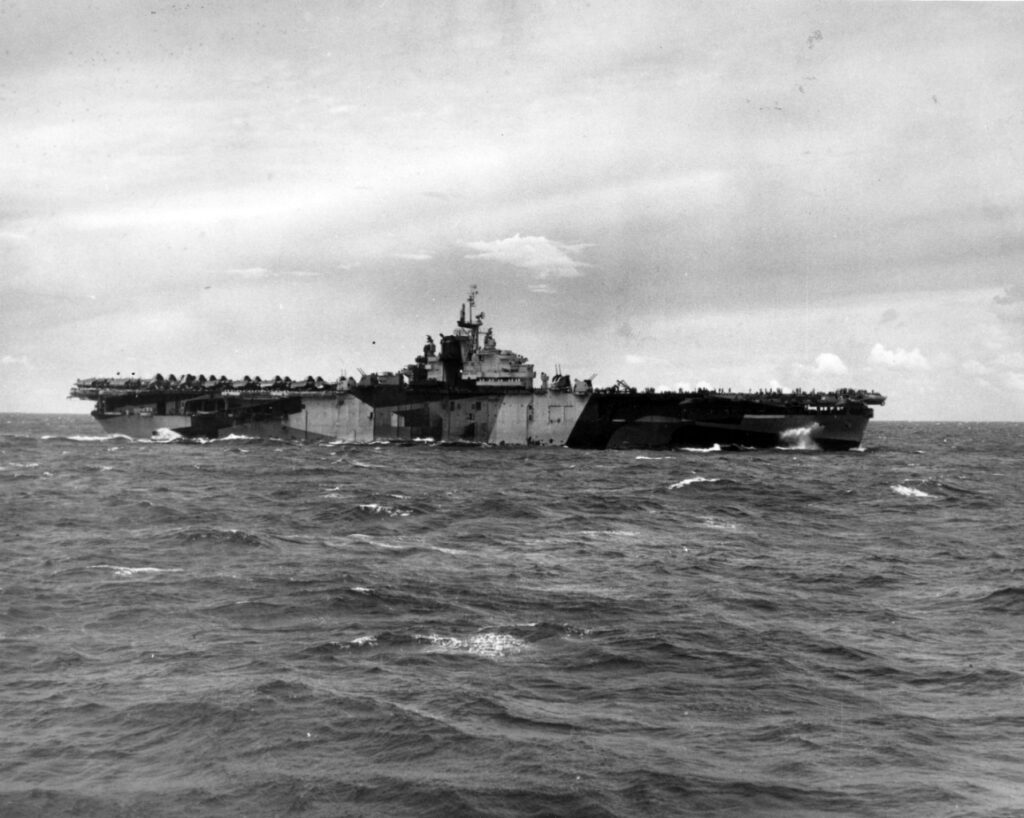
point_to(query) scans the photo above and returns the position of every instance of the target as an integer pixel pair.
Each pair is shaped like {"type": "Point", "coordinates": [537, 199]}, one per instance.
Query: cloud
{"type": "Point", "coordinates": [828, 363]}
{"type": "Point", "coordinates": [14, 360]}
{"type": "Point", "coordinates": [912, 361]}
{"type": "Point", "coordinates": [543, 257]}
{"type": "Point", "coordinates": [826, 366]}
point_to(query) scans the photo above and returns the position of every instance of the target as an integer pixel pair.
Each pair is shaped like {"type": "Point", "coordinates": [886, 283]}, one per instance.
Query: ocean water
{"type": "Point", "coordinates": [261, 628]}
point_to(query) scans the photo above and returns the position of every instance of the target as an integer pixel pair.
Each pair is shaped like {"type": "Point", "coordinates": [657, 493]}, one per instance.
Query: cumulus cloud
{"type": "Point", "coordinates": [900, 358]}
{"type": "Point", "coordinates": [828, 363]}
{"type": "Point", "coordinates": [826, 366]}
{"type": "Point", "coordinates": [543, 257]}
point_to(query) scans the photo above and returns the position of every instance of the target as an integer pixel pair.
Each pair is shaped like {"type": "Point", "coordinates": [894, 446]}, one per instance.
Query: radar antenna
{"type": "Point", "coordinates": [471, 321]}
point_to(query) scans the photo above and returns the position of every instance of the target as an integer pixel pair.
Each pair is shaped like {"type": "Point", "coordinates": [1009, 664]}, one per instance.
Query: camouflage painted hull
{"type": "Point", "coordinates": [597, 419]}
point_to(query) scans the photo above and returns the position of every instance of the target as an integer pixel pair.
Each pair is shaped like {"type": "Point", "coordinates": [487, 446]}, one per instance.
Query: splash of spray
{"type": "Point", "coordinates": [801, 438]}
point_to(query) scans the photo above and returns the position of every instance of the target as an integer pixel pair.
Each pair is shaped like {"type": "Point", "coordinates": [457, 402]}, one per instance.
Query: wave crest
{"type": "Point", "coordinates": [689, 481]}
{"type": "Point", "coordinates": [909, 491]}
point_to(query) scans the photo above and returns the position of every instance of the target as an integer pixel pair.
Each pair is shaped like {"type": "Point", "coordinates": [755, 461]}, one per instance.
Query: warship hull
{"type": "Point", "coordinates": [595, 420]}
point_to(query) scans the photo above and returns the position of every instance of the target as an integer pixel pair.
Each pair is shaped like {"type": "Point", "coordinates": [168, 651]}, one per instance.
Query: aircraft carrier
{"type": "Point", "coordinates": [464, 389]}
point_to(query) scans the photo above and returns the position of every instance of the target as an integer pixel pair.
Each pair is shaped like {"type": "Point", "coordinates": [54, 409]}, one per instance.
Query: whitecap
{"type": "Point", "coordinates": [909, 491]}
{"type": "Point", "coordinates": [495, 644]}
{"type": "Point", "coordinates": [648, 457]}
{"type": "Point", "coordinates": [377, 508]}
{"type": "Point", "coordinates": [689, 481]}
{"type": "Point", "coordinates": [364, 642]}
{"type": "Point", "coordinates": [127, 571]}
{"type": "Point", "coordinates": [480, 644]}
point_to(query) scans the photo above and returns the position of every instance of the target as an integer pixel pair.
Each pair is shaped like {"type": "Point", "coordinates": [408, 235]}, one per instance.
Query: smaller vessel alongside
{"type": "Point", "coordinates": [466, 389]}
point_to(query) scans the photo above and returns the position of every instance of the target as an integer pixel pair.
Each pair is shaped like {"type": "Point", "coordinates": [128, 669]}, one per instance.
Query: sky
{"type": "Point", "coordinates": [671, 193]}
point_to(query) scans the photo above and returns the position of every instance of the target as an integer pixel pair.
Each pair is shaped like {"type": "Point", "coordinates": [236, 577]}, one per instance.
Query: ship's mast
{"type": "Point", "coordinates": [473, 322]}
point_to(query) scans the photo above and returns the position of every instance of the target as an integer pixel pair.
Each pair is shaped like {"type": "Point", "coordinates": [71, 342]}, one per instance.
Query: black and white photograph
{"type": "Point", "coordinates": [511, 408]}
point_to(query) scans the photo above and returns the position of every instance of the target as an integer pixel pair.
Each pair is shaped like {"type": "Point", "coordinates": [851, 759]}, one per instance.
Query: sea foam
{"type": "Point", "coordinates": [689, 481]}
{"type": "Point", "coordinates": [909, 491]}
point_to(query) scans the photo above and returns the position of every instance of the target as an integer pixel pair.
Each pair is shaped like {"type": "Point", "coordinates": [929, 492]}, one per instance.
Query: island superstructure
{"type": "Point", "coordinates": [465, 389]}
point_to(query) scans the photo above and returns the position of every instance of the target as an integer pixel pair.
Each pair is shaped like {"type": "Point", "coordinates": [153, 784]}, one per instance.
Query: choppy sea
{"type": "Point", "coordinates": [260, 628]}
